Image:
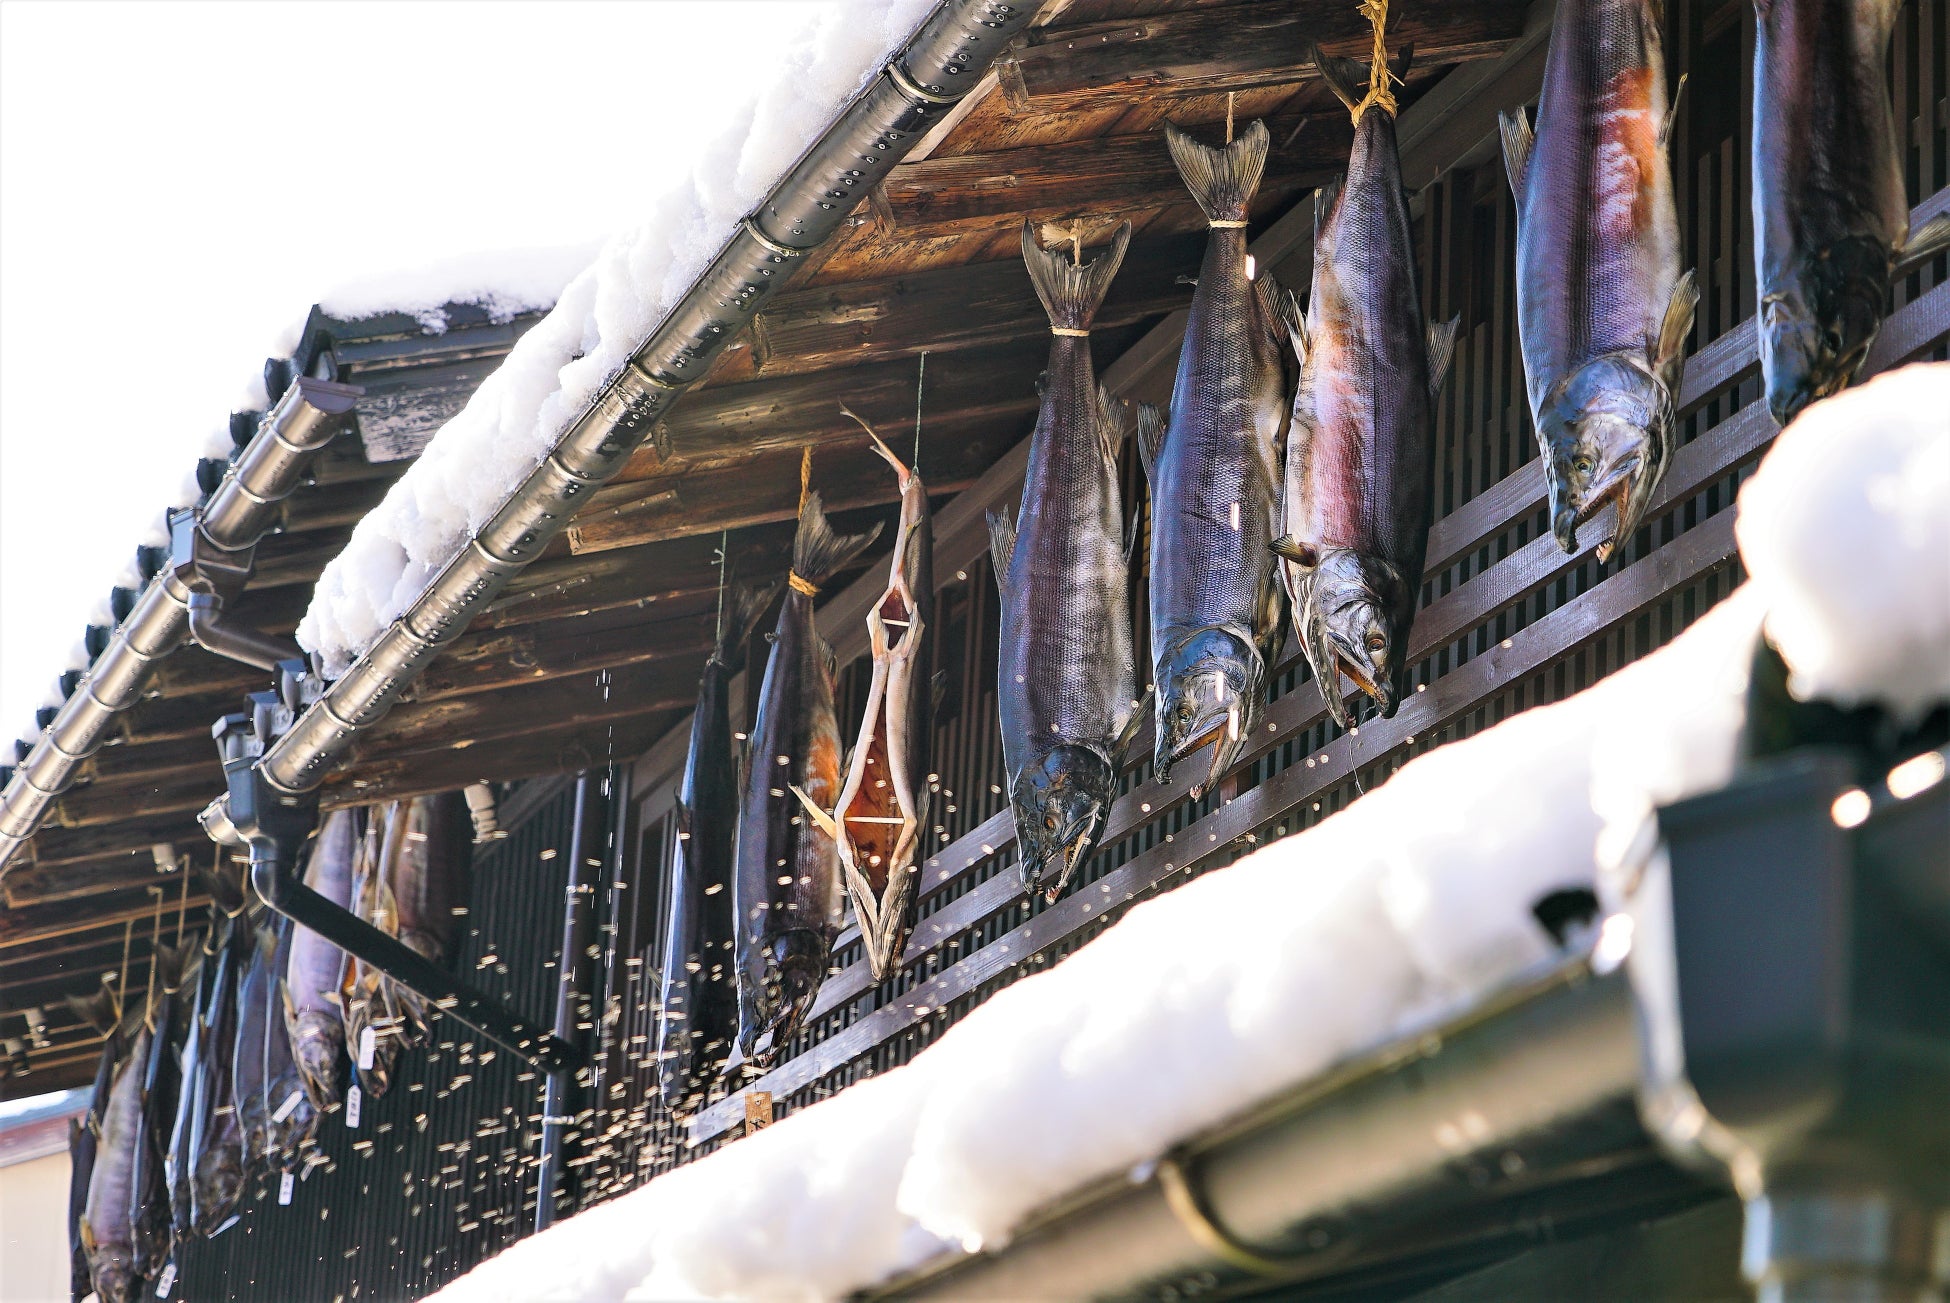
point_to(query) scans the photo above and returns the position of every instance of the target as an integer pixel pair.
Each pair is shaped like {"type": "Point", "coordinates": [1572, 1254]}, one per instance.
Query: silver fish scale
{"type": "Point", "coordinates": [1220, 451]}
{"type": "Point", "coordinates": [1068, 670]}
{"type": "Point", "coordinates": [1598, 250]}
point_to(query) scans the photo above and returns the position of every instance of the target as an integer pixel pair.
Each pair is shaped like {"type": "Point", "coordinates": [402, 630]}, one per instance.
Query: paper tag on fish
{"type": "Point", "coordinates": [354, 1097]}
{"type": "Point", "coordinates": [368, 1042]}
{"type": "Point", "coordinates": [290, 1103]}
{"type": "Point", "coordinates": [167, 1281]}
{"type": "Point", "coordinates": [286, 1184]}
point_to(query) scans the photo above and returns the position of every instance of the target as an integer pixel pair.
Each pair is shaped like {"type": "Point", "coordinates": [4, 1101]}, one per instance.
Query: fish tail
{"type": "Point", "coordinates": [172, 962]}
{"type": "Point", "coordinates": [1072, 291]}
{"type": "Point", "coordinates": [743, 607]}
{"type": "Point", "coordinates": [97, 1010]}
{"type": "Point", "coordinates": [818, 553]}
{"type": "Point", "coordinates": [1223, 179]}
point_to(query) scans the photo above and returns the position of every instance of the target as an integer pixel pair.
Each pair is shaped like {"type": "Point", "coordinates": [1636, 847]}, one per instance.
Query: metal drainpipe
{"type": "Point", "coordinates": [567, 1096]}
{"type": "Point", "coordinates": [941, 63]}
{"type": "Point", "coordinates": [235, 516]}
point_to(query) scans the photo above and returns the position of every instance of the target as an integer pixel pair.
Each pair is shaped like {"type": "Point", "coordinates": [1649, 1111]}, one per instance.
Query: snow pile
{"type": "Point", "coordinates": [517, 415]}
{"type": "Point", "coordinates": [506, 283]}
{"type": "Point", "coordinates": [1846, 529]}
{"type": "Point", "coordinates": [1404, 909]}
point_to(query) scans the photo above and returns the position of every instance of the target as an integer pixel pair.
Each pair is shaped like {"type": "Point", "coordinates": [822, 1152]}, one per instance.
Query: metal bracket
{"type": "Point", "coordinates": [275, 824]}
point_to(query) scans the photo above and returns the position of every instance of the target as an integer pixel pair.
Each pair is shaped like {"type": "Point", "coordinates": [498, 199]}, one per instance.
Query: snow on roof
{"type": "Point", "coordinates": [765, 121]}
{"type": "Point", "coordinates": [1409, 906]}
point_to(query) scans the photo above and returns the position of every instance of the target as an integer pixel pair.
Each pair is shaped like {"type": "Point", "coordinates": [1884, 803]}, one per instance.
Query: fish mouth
{"type": "Point", "coordinates": [1621, 486]}
{"type": "Point", "coordinates": [1349, 663]}
{"type": "Point", "coordinates": [1222, 728]}
{"type": "Point", "coordinates": [1072, 846]}
{"type": "Point", "coordinates": [784, 995]}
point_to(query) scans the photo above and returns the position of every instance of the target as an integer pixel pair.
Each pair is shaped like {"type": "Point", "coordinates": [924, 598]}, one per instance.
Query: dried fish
{"type": "Point", "coordinates": [1216, 597]}
{"type": "Point", "coordinates": [699, 999]}
{"type": "Point", "coordinates": [313, 999]}
{"type": "Point", "coordinates": [1831, 224]}
{"type": "Point", "coordinates": [427, 862]}
{"type": "Point", "coordinates": [217, 1158]}
{"type": "Point", "coordinates": [787, 895]}
{"type": "Point", "coordinates": [81, 1166]}
{"type": "Point", "coordinates": [108, 1234]}
{"type": "Point", "coordinates": [882, 808]}
{"type": "Point", "coordinates": [1361, 453]}
{"type": "Point", "coordinates": [1602, 309]}
{"type": "Point", "coordinates": [373, 1012]}
{"type": "Point", "coordinates": [255, 989]}
{"type": "Point", "coordinates": [290, 1121]}
{"type": "Point", "coordinates": [161, 1084]}
{"type": "Point", "coordinates": [1066, 686]}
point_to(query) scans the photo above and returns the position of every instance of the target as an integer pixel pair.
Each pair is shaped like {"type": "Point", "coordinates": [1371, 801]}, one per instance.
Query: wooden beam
{"type": "Point", "coordinates": [953, 308]}
{"type": "Point", "coordinates": [20, 927]}
{"type": "Point", "coordinates": [1236, 47]}
{"type": "Point", "coordinates": [1096, 182]}
{"type": "Point", "coordinates": [766, 488]}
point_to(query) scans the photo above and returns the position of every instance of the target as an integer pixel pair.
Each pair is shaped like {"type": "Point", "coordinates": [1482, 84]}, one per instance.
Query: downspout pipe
{"type": "Point", "coordinates": [565, 1101]}
{"type": "Point", "coordinates": [940, 64]}
{"type": "Point", "coordinates": [235, 516]}
{"type": "Point", "coordinates": [275, 826]}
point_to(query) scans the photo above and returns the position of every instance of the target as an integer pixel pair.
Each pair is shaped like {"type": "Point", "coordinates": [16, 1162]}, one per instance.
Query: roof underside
{"type": "Point", "coordinates": [1066, 134]}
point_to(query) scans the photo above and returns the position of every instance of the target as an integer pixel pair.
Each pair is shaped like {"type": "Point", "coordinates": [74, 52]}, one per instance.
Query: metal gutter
{"type": "Point", "coordinates": [1417, 1134]}
{"type": "Point", "coordinates": [235, 516]}
{"type": "Point", "coordinates": [940, 64]}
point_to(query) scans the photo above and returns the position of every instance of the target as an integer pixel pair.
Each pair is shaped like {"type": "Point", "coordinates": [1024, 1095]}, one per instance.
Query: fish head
{"type": "Point", "coordinates": [1818, 318]}
{"type": "Point", "coordinates": [1209, 689]}
{"type": "Point", "coordinates": [776, 985]}
{"type": "Point", "coordinates": [318, 1055]}
{"type": "Point", "coordinates": [1607, 435]}
{"type": "Point", "coordinates": [1061, 805]}
{"type": "Point", "coordinates": [1356, 623]}
{"type": "Point", "coordinates": [115, 1276]}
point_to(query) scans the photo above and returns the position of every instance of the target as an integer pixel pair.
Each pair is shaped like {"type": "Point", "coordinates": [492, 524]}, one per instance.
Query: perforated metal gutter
{"type": "Point", "coordinates": [941, 63]}
{"type": "Point", "coordinates": [230, 522]}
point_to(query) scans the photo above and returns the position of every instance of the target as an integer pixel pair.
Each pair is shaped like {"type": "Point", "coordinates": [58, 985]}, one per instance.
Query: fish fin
{"type": "Point", "coordinates": [1518, 139]}
{"type": "Point", "coordinates": [97, 1010]}
{"type": "Point", "coordinates": [1286, 317]}
{"type": "Point", "coordinates": [1150, 434]}
{"type": "Point", "coordinates": [817, 552]}
{"type": "Point", "coordinates": [744, 606]}
{"type": "Point", "coordinates": [1924, 242]}
{"type": "Point", "coordinates": [1002, 544]}
{"type": "Point", "coordinates": [829, 658]}
{"type": "Point", "coordinates": [1131, 535]}
{"type": "Point", "coordinates": [1223, 179]}
{"type": "Point", "coordinates": [1672, 114]}
{"type": "Point", "coordinates": [1294, 550]}
{"type": "Point", "coordinates": [1324, 200]}
{"type": "Point", "coordinates": [1343, 76]}
{"type": "Point", "coordinates": [821, 819]}
{"type": "Point", "coordinates": [1399, 65]}
{"type": "Point", "coordinates": [1669, 356]}
{"type": "Point", "coordinates": [1072, 292]}
{"type": "Point", "coordinates": [937, 692]}
{"type": "Point", "coordinates": [1139, 713]}
{"type": "Point", "coordinates": [1113, 423]}
{"type": "Point", "coordinates": [685, 824]}
{"type": "Point", "coordinates": [1442, 351]}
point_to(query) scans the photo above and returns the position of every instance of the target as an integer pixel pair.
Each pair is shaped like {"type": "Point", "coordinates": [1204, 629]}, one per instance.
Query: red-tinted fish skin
{"type": "Point", "coordinates": [1361, 453]}
{"type": "Point", "coordinates": [316, 970]}
{"type": "Point", "coordinates": [1602, 308]}
{"type": "Point", "coordinates": [107, 1232]}
{"type": "Point", "coordinates": [1829, 215]}
{"type": "Point", "coordinates": [787, 896]}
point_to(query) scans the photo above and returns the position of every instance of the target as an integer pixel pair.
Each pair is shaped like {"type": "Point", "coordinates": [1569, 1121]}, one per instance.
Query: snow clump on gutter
{"type": "Point", "coordinates": [519, 412]}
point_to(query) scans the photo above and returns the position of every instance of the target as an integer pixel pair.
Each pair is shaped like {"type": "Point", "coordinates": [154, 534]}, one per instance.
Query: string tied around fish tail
{"type": "Point", "coordinates": [724, 552]}
{"type": "Point", "coordinates": [1381, 92]}
{"type": "Point", "coordinates": [920, 387]}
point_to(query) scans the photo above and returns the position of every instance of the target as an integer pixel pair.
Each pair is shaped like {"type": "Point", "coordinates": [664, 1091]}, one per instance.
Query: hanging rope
{"type": "Point", "coordinates": [724, 553]}
{"type": "Point", "coordinates": [1230, 95]}
{"type": "Point", "coordinates": [1076, 242]}
{"type": "Point", "coordinates": [182, 895]}
{"type": "Point", "coordinates": [155, 938]}
{"type": "Point", "coordinates": [122, 982]}
{"type": "Point", "coordinates": [805, 475]}
{"type": "Point", "coordinates": [920, 387]}
{"type": "Point", "coordinates": [1379, 78]}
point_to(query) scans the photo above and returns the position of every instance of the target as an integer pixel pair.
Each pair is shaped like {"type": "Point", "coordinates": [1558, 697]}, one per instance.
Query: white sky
{"type": "Point", "coordinates": [179, 183]}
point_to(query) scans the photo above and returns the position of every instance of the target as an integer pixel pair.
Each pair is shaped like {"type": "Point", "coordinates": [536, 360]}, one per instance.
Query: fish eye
{"type": "Point", "coordinates": [1049, 822]}
{"type": "Point", "coordinates": [1376, 642]}
{"type": "Point", "coordinates": [1831, 341]}
{"type": "Point", "coordinates": [1583, 464]}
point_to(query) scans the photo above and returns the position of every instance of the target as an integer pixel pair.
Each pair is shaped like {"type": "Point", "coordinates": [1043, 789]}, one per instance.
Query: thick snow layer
{"type": "Point", "coordinates": [506, 282]}
{"type": "Point", "coordinates": [765, 121]}
{"type": "Point", "coordinates": [1846, 529]}
{"type": "Point", "coordinates": [1403, 909]}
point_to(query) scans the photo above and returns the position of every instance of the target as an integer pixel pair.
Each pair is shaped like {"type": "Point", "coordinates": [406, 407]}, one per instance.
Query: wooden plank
{"type": "Point", "coordinates": [1556, 635]}
{"type": "Point", "coordinates": [1094, 181]}
{"type": "Point", "coordinates": [765, 488]}
{"type": "Point", "coordinates": [962, 307]}
{"type": "Point", "coordinates": [1236, 47]}
{"type": "Point", "coordinates": [21, 927]}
